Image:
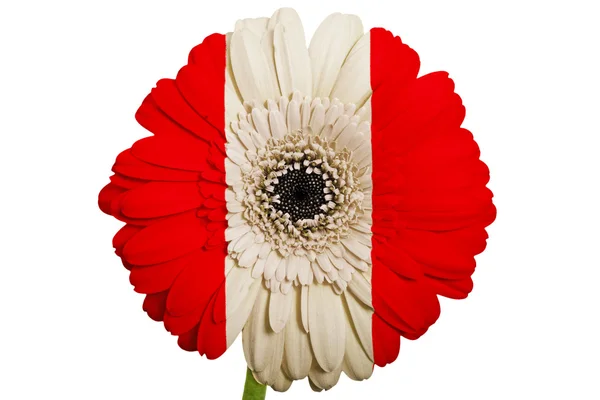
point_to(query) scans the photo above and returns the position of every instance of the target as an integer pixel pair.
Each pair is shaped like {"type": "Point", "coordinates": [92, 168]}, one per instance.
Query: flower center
{"type": "Point", "coordinates": [300, 194]}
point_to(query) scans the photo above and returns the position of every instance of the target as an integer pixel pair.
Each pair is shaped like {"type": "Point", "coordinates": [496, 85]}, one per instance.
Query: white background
{"type": "Point", "coordinates": [72, 77]}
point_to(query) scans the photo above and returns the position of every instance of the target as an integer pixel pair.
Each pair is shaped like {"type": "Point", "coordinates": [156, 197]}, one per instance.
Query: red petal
{"type": "Point", "coordinates": [398, 261]}
{"type": "Point", "coordinates": [386, 342]}
{"type": "Point", "coordinates": [166, 240]}
{"type": "Point", "coordinates": [452, 201]}
{"type": "Point", "coordinates": [160, 277]}
{"type": "Point", "coordinates": [408, 305]}
{"type": "Point", "coordinates": [421, 102]}
{"type": "Point", "coordinates": [172, 152]}
{"type": "Point", "coordinates": [449, 254]}
{"type": "Point", "coordinates": [454, 289]}
{"type": "Point", "coordinates": [212, 338]}
{"type": "Point", "coordinates": [214, 176]}
{"type": "Point", "coordinates": [154, 305]}
{"type": "Point", "coordinates": [393, 63]}
{"type": "Point", "coordinates": [178, 325]}
{"type": "Point", "coordinates": [187, 341]}
{"type": "Point", "coordinates": [202, 82]}
{"type": "Point", "coordinates": [126, 182]}
{"type": "Point", "coordinates": [214, 190]}
{"type": "Point", "coordinates": [448, 220]}
{"type": "Point", "coordinates": [209, 52]}
{"type": "Point", "coordinates": [157, 199]}
{"type": "Point", "coordinates": [196, 284]}
{"type": "Point", "coordinates": [130, 166]}
{"type": "Point", "coordinates": [107, 195]}
{"type": "Point", "coordinates": [122, 236]}
{"type": "Point", "coordinates": [168, 97]}
{"type": "Point", "coordinates": [151, 117]}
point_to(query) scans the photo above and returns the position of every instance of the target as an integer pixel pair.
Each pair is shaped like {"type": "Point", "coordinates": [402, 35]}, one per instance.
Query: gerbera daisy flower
{"type": "Point", "coordinates": [315, 199]}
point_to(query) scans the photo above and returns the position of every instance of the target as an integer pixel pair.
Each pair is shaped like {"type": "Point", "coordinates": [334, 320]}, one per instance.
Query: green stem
{"type": "Point", "coordinates": [252, 389]}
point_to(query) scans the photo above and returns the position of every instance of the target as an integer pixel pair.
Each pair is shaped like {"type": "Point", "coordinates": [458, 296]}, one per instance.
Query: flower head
{"type": "Point", "coordinates": [316, 199]}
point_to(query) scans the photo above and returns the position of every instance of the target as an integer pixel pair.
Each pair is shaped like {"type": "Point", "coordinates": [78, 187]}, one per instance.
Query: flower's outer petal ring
{"type": "Point", "coordinates": [329, 47]}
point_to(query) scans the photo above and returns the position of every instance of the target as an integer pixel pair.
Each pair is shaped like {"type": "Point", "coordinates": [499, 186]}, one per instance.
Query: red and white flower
{"type": "Point", "coordinates": [316, 200]}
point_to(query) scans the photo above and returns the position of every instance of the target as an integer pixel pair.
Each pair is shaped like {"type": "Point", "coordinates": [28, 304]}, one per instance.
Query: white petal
{"type": "Point", "coordinates": [338, 127]}
{"type": "Point", "coordinates": [360, 318]}
{"type": "Point", "coordinates": [327, 326]}
{"type": "Point", "coordinates": [235, 219]}
{"type": "Point", "coordinates": [261, 122]}
{"type": "Point", "coordinates": [338, 262]}
{"type": "Point", "coordinates": [259, 267]}
{"type": "Point", "coordinates": [259, 238]}
{"type": "Point", "coordinates": [282, 382]}
{"type": "Point", "coordinates": [280, 271]}
{"type": "Point", "coordinates": [265, 249]}
{"type": "Point", "coordinates": [364, 238]}
{"type": "Point", "coordinates": [250, 67]}
{"type": "Point", "coordinates": [324, 262]}
{"type": "Point", "coordinates": [297, 356]}
{"type": "Point", "coordinates": [346, 274]}
{"type": "Point", "coordinates": [283, 105]}
{"type": "Point", "coordinates": [230, 263]}
{"type": "Point", "coordinates": [365, 111]}
{"type": "Point", "coordinates": [353, 84]}
{"type": "Point", "coordinates": [277, 122]}
{"type": "Point", "coordinates": [229, 193]}
{"type": "Point", "coordinates": [318, 272]}
{"type": "Point", "coordinates": [257, 337]}
{"type": "Point", "coordinates": [362, 155]}
{"type": "Point", "coordinates": [237, 318]}
{"type": "Point", "coordinates": [329, 47]}
{"type": "Point", "coordinates": [358, 362]}
{"type": "Point", "coordinates": [293, 116]}
{"type": "Point", "coordinates": [275, 285]}
{"type": "Point", "coordinates": [356, 262]}
{"type": "Point", "coordinates": [337, 250]}
{"type": "Point", "coordinates": [357, 248]}
{"type": "Point", "coordinates": [333, 275]}
{"type": "Point", "coordinates": [249, 257]}
{"type": "Point", "coordinates": [279, 310]}
{"type": "Point", "coordinates": [233, 173]}
{"type": "Point", "coordinates": [322, 379]}
{"type": "Point", "coordinates": [258, 26]}
{"type": "Point", "coordinates": [246, 139]}
{"type": "Point", "coordinates": [233, 99]}
{"type": "Point", "coordinates": [317, 119]}
{"type": "Point", "coordinates": [293, 265]}
{"type": "Point", "coordinates": [234, 206]}
{"type": "Point", "coordinates": [236, 154]}
{"type": "Point", "coordinates": [270, 375]}
{"type": "Point", "coordinates": [362, 225]}
{"type": "Point", "coordinates": [286, 286]}
{"type": "Point", "coordinates": [347, 136]}
{"type": "Point", "coordinates": [339, 286]}
{"type": "Point", "coordinates": [235, 232]}
{"type": "Point", "coordinates": [273, 261]}
{"type": "Point", "coordinates": [361, 288]}
{"type": "Point", "coordinates": [245, 242]}
{"type": "Point", "coordinates": [237, 285]}
{"type": "Point", "coordinates": [366, 182]}
{"type": "Point", "coordinates": [305, 275]}
{"type": "Point", "coordinates": [349, 109]}
{"type": "Point", "coordinates": [314, 387]}
{"type": "Point", "coordinates": [291, 55]}
{"type": "Point", "coordinates": [267, 45]}
{"type": "Point", "coordinates": [305, 110]}
{"type": "Point", "coordinates": [304, 307]}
